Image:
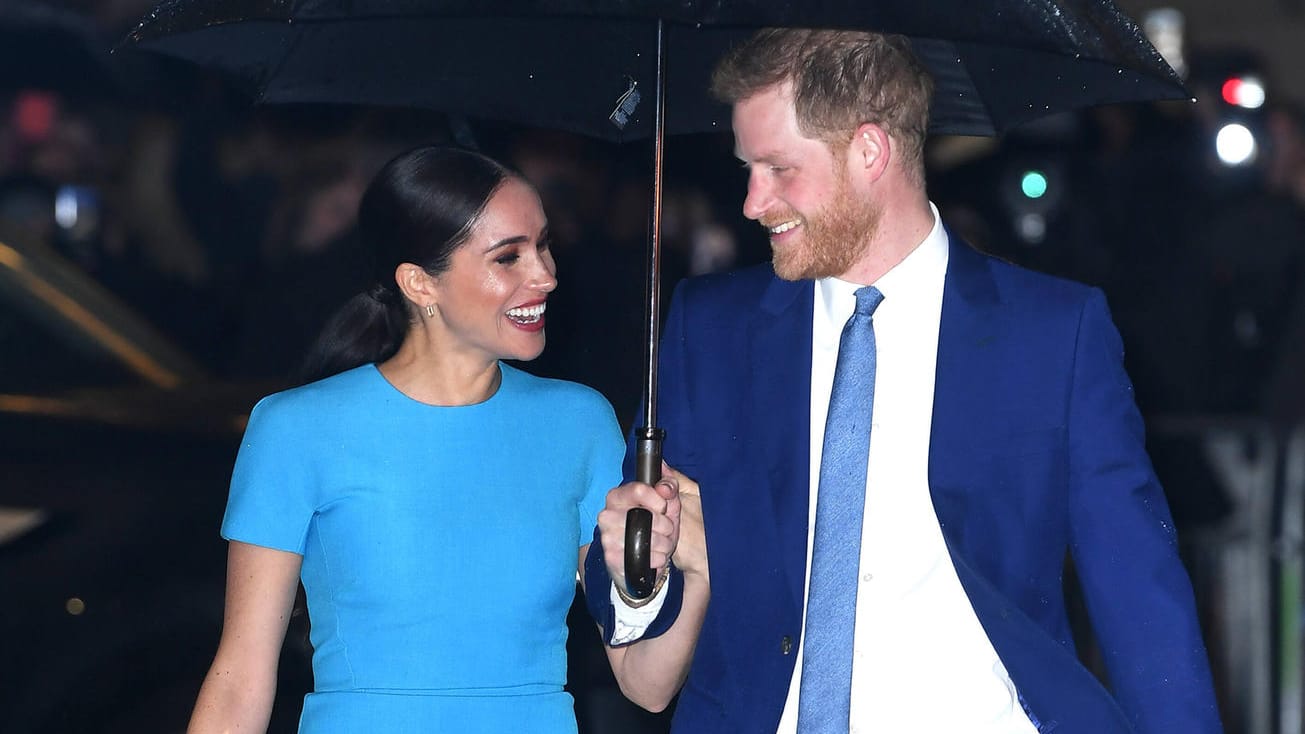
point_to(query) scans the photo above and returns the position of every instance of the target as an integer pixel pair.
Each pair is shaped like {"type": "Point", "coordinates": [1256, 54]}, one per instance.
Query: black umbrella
{"type": "Point", "coordinates": [45, 46]}
{"type": "Point", "coordinates": [50, 48]}
{"type": "Point", "coordinates": [567, 64]}
{"type": "Point", "coordinates": [602, 68]}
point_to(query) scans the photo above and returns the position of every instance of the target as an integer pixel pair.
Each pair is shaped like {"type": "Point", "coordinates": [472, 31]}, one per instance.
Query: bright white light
{"type": "Point", "coordinates": [1235, 145]}
{"type": "Point", "coordinates": [65, 207]}
{"type": "Point", "coordinates": [1251, 95]}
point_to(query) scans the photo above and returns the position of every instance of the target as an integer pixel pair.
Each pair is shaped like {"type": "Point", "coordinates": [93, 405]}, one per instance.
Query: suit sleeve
{"type": "Point", "coordinates": [1125, 550]}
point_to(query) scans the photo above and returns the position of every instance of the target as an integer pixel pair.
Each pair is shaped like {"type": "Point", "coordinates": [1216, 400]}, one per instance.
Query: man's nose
{"type": "Point", "coordinates": [758, 199]}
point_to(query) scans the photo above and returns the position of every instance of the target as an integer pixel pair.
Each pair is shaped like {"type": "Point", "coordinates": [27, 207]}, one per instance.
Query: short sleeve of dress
{"type": "Point", "coordinates": [607, 451]}
{"type": "Point", "coordinates": [271, 501]}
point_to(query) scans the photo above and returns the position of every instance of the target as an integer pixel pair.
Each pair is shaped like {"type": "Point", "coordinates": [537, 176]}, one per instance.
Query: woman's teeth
{"type": "Point", "coordinates": [526, 314]}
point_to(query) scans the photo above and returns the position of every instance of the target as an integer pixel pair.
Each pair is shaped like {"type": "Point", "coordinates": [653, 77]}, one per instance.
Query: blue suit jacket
{"type": "Point", "coordinates": [1036, 451]}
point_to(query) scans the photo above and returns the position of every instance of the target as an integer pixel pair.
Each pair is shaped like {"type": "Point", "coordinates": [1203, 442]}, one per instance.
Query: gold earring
{"type": "Point", "coordinates": [430, 310]}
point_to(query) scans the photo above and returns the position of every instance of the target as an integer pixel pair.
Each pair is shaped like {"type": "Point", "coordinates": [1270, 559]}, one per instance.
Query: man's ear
{"type": "Point", "coordinates": [871, 150]}
{"type": "Point", "coordinates": [417, 285]}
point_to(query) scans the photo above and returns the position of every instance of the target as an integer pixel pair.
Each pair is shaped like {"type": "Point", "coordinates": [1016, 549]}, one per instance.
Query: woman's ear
{"type": "Point", "coordinates": [417, 285]}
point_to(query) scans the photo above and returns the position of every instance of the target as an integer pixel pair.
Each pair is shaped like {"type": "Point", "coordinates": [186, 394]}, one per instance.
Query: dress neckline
{"type": "Point", "coordinates": [506, 374]}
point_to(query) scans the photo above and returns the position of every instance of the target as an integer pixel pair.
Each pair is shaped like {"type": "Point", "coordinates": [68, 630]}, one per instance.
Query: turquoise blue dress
{"type": "Point", "coordinates": [439, 544]}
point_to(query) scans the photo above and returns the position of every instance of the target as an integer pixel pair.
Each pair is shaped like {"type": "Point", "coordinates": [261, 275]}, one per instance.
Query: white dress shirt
{"type": "Point", "coordinates": [922, 663]}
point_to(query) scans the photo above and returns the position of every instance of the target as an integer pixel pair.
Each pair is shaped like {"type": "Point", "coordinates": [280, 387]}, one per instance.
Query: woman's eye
{"type": "Point", "coordinates": [545, 244]}
{"type": "Point", "coordinates": [507, 258]}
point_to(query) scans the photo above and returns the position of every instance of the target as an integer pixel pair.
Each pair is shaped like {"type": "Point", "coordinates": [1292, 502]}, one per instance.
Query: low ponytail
{"type": "Point", "coordinates": [368, 328]}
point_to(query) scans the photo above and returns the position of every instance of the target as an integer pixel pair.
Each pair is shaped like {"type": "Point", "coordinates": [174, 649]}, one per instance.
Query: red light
{"type": "Point", "coordinates": [1231, 91]}
{"type": "Point", "coordinates": [34, 114]}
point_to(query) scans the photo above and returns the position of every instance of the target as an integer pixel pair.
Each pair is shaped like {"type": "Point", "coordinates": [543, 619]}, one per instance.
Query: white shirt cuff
{"type": "Point", "coordinates": [632, 623]}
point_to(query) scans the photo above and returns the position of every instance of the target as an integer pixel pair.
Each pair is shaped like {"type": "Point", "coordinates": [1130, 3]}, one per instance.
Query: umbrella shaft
{"type": "Point", "coordinates": [653, 315]}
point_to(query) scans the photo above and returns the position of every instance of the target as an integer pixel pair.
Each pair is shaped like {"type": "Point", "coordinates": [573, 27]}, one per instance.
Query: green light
{"type": "Point", "coordinates": [1033, 184]}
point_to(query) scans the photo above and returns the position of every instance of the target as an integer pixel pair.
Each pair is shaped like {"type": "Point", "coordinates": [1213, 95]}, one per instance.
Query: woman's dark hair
{"type": "Point", "coordinates": [418, 209]}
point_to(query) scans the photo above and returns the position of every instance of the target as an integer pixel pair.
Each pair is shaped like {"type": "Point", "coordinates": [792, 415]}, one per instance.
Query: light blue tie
{"type": "Point", "coordinates": [825, 699]}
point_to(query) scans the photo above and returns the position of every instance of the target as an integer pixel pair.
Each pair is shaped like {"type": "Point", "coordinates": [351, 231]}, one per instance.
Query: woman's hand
{"type": "Point", "coordinates": [662, 500]}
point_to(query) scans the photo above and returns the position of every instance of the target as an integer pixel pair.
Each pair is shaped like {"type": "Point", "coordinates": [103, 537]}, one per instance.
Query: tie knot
{"type": "Point", "coordinates": [868, 299]}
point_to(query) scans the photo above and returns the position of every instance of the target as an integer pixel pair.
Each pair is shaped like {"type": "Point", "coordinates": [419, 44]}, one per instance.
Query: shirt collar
{"type": "Point", "coordinates": [926, 264]}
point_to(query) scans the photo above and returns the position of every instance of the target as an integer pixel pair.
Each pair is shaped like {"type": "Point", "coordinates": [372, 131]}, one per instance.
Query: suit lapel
{"type": "Point", "coordinates": [969, 330]}
{"type": "Point", "coordinates": [780, 356]}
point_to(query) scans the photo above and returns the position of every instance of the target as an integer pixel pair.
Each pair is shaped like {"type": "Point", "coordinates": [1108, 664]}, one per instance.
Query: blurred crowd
{"type": "Point", "coordinates": [1203, 263]}
{"type": "Point", "coordinates": [230, 226]}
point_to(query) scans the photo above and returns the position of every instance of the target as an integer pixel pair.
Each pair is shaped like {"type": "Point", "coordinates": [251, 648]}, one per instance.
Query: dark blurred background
{"type": "Point", "coordinates": [167, 252]}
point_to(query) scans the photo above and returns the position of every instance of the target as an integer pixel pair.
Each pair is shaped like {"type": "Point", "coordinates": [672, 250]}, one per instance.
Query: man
{"type": "Point", "coordinates": [1002, 438]}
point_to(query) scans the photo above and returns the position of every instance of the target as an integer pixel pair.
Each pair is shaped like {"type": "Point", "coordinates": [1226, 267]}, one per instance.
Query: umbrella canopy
{"type": "Point", "coordinates": [50, 48]}
{"type": "Point", "coordinates": [568, 64]}
{"type": "Point", "coordinates": [47, 47]}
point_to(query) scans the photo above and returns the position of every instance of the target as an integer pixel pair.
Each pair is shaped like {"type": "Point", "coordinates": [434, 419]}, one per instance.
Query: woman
{"type": "Point", "coordinates": [435, 502]}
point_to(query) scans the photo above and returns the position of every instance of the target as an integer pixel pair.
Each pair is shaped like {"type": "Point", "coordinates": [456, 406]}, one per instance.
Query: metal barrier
{"type": "Point", "coordinates": [1249, 568]}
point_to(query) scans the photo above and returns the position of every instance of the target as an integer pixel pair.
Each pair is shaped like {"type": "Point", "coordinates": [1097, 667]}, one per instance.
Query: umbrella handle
{"type": "Point", "coordinates": [638, 521]}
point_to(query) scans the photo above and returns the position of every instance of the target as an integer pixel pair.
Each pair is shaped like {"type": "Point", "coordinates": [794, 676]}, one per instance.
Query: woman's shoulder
{"type": "Point", "coordinates": [324, 395]}
{"type": "Point", "coordinates": [550, 389]}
